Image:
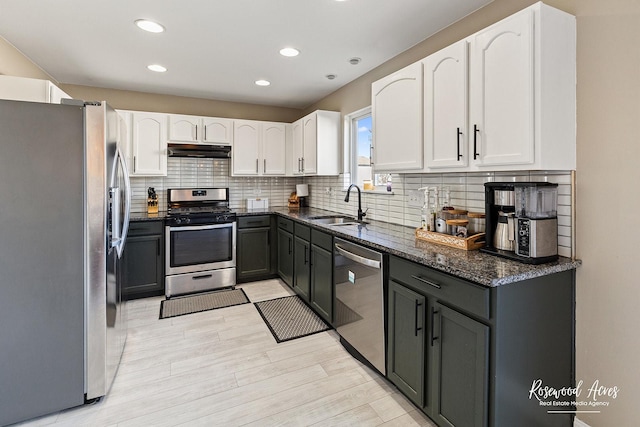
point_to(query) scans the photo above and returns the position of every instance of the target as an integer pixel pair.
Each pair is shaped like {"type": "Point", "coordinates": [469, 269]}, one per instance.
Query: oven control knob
{"type": "Point", "coordinates": [178, 221]}
{"type": "Point", "coordinates": [187, 220]}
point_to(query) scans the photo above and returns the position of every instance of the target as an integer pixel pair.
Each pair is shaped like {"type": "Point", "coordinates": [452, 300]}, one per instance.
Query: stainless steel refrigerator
{"type": "Point", "coordinates": [64, 215]}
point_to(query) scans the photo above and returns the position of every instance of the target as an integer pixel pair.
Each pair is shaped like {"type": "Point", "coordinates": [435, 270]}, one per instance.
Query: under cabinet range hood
{"type": "Point", "coordinates": [200, 150]}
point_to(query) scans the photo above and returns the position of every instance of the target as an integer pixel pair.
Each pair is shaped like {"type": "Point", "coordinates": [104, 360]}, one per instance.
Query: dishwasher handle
{"type": "Point", "coordinates": [357, 258]}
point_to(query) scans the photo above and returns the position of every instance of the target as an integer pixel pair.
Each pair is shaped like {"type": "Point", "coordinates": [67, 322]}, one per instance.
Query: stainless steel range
{"type": "Point", "coordinates": [200, 241]}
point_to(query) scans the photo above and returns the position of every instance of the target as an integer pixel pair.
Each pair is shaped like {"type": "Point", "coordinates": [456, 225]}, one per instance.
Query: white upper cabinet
{"type": "Point", "coordinates": [195, 130]}
{"type": "Point", "coordinates": [445, 108]}
{"type": "Point", "coordinates": [310, 144]}
{"type": "Point", "coordinates": [502, 85]}
{"type": "Point", "coordinates": [502, 99]}
{"type": "Point", "coordinates": [149, 144]}
{"type": "Point", "coordinates": [522, 93]}
{"type": "Point", "coordinates": [274, 145]}
{"type": "Point", "coordinates": [259, 148]}
{"type": "Point", "coordinates": [33, 90]}
{"type": "Point", "coordinates": [316, 144]}
{"type": "Point", "coordinates": [245, 155]}
{"type": "Point", "coordinates": [298, 147]}
{"type": "Point", "coordinates": [396, 102]}
{"type": "Point", "coordinates": [217, 130]}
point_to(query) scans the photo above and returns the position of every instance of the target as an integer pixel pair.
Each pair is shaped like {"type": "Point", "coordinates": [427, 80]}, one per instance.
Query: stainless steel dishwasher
{"type": "Point", "coordinates": [359, 307]}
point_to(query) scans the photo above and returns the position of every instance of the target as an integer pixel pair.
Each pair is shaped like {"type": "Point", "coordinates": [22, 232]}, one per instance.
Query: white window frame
{"type": "Point", "coordinates": [351, 136]}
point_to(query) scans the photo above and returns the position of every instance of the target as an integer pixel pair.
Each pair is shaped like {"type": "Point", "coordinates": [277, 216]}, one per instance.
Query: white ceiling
{"type": "Point", "coordinates": [216, 49]}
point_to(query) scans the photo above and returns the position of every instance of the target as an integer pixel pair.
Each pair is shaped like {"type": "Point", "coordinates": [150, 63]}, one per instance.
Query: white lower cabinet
{"type": "Point", "coordinates": [259, 148]}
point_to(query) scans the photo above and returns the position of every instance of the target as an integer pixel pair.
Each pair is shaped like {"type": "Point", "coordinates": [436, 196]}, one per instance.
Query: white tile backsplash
{"type": "Point", "coordinates": [328, 192]}
{"type": "Point", "coordinates": [188, 172]}
{"type": "Point", "coordinates": [466, 189]}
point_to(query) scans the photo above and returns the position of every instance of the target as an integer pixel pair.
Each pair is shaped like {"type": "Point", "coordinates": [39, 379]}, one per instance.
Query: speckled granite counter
{"type": "Point", "coordinates": [476, 266]}
{"type": "Point", "coordinates": [143, 216]}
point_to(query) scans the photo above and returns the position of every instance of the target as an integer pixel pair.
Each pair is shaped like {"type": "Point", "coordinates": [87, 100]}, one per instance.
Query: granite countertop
{"type": "Point", "coordinates": [476, 266]}
{"type": "Point", "coordinates": [143, 216]}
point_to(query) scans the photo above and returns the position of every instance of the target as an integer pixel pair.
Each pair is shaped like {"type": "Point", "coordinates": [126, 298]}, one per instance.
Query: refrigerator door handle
{"type": "Point", "coordinates": [114, 199]}
{"type": "Point", "coordinates": [119, 236]}
{"type": "Point", "coordinates": [127, 199]}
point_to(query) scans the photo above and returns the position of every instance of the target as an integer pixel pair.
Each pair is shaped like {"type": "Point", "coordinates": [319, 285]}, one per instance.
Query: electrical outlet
{"type": "Point", "coordinates": [415, 198]}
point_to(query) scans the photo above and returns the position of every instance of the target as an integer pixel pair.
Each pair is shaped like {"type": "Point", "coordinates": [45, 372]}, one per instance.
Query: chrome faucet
{"type": "Point", "coordinates": [346, 199]}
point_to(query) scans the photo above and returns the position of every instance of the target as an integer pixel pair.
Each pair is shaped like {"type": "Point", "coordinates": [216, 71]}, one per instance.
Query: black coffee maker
{"type": "Point", "coordinates": [509, 232]}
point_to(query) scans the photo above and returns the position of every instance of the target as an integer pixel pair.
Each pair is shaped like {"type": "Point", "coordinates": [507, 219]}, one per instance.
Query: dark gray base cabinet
{"type": "Point", "coordinates": [322, 290]}
{"type": "Point", "coordinates": [255, 256]}
{"type": "Point", "coordinates": [313, 269]}
{"type": "Point", "coordinates": [285, 250]}
{"type": "Point", "coordinates": [142, 262]}
{"type": "Point", "coordinates": [467, 355]}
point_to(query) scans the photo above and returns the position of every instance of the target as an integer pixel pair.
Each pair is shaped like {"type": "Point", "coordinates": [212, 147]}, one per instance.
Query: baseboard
{"type": "Point", "coordinates": [578, 423]}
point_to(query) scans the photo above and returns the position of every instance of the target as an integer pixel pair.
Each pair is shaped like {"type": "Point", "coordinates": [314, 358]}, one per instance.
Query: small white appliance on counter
{"type": "Point", "coordinates": [257, 204]}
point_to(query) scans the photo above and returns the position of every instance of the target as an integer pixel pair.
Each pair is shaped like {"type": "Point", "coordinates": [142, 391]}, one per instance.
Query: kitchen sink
{"type": "Point", "coordinates": [336, 220]}
{"type": "Point", "coordinates": [333, 220]}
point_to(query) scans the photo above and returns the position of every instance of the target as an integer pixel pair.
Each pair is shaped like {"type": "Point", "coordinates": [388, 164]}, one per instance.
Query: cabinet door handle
{"type": "Point", "coordinates": [433, 336]}
{"type": "Point", "coordinates": [264, 166]}
{"type": "Point", "coordinates": [458, 133]}
{"type": "Point", "coordinates": [257, 162]}
{"type": "Point", "coordinates": [289, 245]}
{"type": "Point", "coordinates": [302, 165]}
{"type": "Point", "coordinates": [135, 169]}
{"type": "Point", "coordinates": [196, 132]}
{"type": "Point", "coordinates": [299, 168]}
{"type": "Point", "coordinates": [371, 154]}
{"type": "Point", "coordinates": [475, 142]}
{"type": "Point", "coordinates": [425, 281]}
{"type": "Point", "coordinates": [305, 255]}
{"type": "Point", "coordinates": [416, 329]}
{"type": "Point", "coordinates": [205, 133]}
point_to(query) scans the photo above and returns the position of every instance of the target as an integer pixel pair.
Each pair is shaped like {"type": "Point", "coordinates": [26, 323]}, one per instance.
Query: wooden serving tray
{"type": "Point", "coordinates": [468, 244]}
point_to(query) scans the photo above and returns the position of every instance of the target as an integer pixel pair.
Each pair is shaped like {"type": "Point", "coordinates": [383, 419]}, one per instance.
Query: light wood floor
{"type": "Point", "coordinates": [224, 368]}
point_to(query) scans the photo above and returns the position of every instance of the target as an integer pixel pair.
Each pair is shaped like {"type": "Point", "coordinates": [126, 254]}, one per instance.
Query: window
{"type": "Point", "coordinates": [361, 138]}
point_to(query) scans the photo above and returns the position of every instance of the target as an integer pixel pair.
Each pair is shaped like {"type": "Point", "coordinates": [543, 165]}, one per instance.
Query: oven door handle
{"type": "Point", "coordinates": [202, 227]}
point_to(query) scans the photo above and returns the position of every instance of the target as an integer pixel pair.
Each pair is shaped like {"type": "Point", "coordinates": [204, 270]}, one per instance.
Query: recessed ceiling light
{"type": "Point", "coordinates": [263, 82]}
{"type": "Point", "coordinates": [150, 26]}
{"type": "Point", "coordinates": [157, 68]}
{"type": "Point", "coordinates": [289, 51]}
{"type": "Point", "coordinates": [354, 61]}
{"type": "Point", "coordinates": [331, 76]}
